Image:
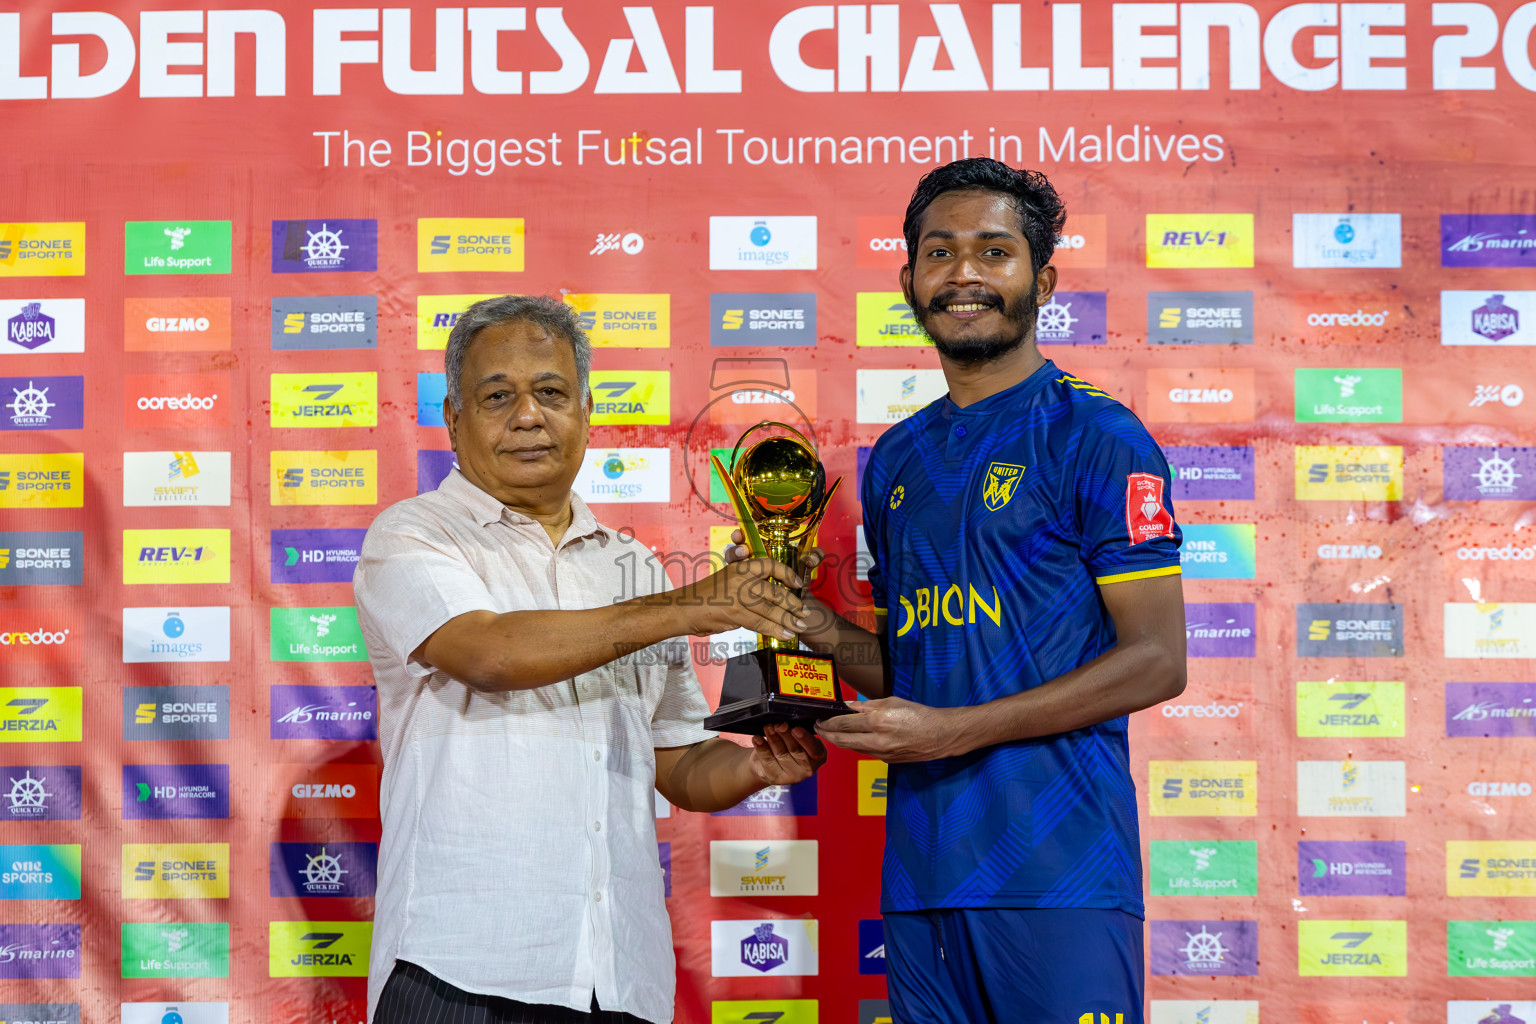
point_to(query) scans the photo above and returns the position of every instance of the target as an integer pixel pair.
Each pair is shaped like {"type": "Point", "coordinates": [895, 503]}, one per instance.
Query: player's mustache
{"type": "Point", "coordinates": [943, 299]}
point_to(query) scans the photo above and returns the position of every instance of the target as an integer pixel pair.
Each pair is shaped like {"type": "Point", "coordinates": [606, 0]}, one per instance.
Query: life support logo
{"type": "Point", "coordinates": [447, 244]}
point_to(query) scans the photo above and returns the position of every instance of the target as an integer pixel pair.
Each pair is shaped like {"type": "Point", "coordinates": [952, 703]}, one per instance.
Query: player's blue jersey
{"type": "Point", "coordinates": [992, 528]}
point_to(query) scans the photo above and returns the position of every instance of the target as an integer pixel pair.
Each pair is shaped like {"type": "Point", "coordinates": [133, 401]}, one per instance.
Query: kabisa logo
{"type": "Point", "coordinates": [447, 244]}
{"type": "Point", "coordinates": [175, 950]}
{"type": "Point", "coordinates": [1199, 318]}
{"type": "Point", "coordinates": [188, 323]}
{"type": "Point", "coordinates": [1200, 240]}
{"type": "Point", "coordinates": [324, 477]}
{"type": "Point", "coordinates": [177, 247]}
{"type": "Point", "coordinates": [323, 869]}
{"type": "Point", "coordinates": [884, 319]}
{"type": "Point", "coordinates": [1489, 474]}
{"type": "Point", "coordinates": [42, 325]}
{"type": "Point", "coordinates": [1494, 320]}
{"type": "Point", "coordinates": [631, 397]}
{"type": "Point", "coordinates": [949, 605]}
{"type": "Point", "coordinates": [1347, 240]}
{"type": "Point", "coordinates": [630, 243]}
{"type": "Point", "coordinates": [40, 872]}
{"type": "Point", "coordinates": [307, 246]}
{"type": "Point", "coordinates": [1478, 868]}
{"type": "Point", "coordinates": [1182, 867]}
{"type": "Point", "coordinates": [1207, 948]}
{"type": "Point", "coordinates": [1073, 318]}
{"type": "Point", "coordinates": [176, 556]}
{"type": "Point", "coordinates": [762, 318]}
{"type": "Point", "coordinates": [42, 403]}
{"type": "Point", "coordinates": [763, 950]}
{"type": "Point", "coordinates": [1490, 630]}
{"type": "Point", "coordinates": [42, 250]}
{"type": "Point", "coordinates": [40, 793]}
{"type": "Point", "coordinates": [42, 481]}
{"type": "Point", "coordinates": [38, 558]}
{"type": "Point", "coordinates": [1351, 789]}
{"type": "Point", "coordinates": [1349, 473]}
{"type": "Point", "coordinates": [1353, 948]}
{"type": "Point", "coordinates": [1223, 630]}
{"type": "Point", "coordinates": [1203, 788]}
{"type": "Point", "coordinates": [762, 243]}
{"type": "Point", "coordinates": [175, 478]}
{"type": "Point", "coordinates": [325, 713]}
{"type": "Point", "coordinates": [437, 314]}
{"type": "Point", "coordinates": [626, 474]}
{"type": "Point", "coordinates": [40, 714]}
{"type": "Point", "coordinates": [1349, 709]}
{"type": "Point", "coordinates": [325, 399]}
{"type": "Point", "coordinates": [32, 951]}
{"type": "Point", "coordinates": [167, 791]}
{"type": "Point", "coordinates": [319, 949]}
{"type": "Point", "coordinates": [1376, 868]}
{"type": "Point", "coordinates": [315, 556]}
{"type": "Point", "coordinates": [325, 322]}
{"type": "Point", "coordinates": [1491, 949]}
{"type": "Point", "coordinates": [175, 871]}
{"type": "Point", "coordinates": [316, 634]}
{"type": "Point", "coordinates": [1210, 473]}
{"type": "Point", "coordinates": [1462, 1011]}
{"type": "Point", "coordinates": [1349, 395]}
{"type": "Point", "coordinates": [753, 948]}
{"type": "Point", "coordinates": [890, 396]}
{"type": "Point", "coordinates": [1486, 710]}
{"type": "Point", "coordinates": [1487, 240]}
{"type": "Point", "coordinates": [1487, 318]}
{"type": "Point", "coordinates": [176, 713]}
{"type": "Point", "coordinates": [777, 801]}
{"type": "Point", "coordinates": [624, 320]}
{"type": "Point", "coordinates": [1219, 551]}
{"type": "Point", "coordinates": [178, 634]}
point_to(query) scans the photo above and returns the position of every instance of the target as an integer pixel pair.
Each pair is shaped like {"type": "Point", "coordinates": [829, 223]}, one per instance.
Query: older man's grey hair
{"type": "Point", "coordinates": [555, 317]}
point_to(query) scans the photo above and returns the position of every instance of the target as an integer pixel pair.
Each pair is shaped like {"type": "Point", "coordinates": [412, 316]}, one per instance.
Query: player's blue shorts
{"type": "Point", "coordinates": [1035, 966]}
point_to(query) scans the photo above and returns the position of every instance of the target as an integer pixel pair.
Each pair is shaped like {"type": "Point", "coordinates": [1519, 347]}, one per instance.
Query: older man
{"type": "Point", "coordinates": [522, 733]}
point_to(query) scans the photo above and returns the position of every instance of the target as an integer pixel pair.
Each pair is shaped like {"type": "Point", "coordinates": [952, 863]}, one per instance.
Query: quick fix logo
{"type": "Point", "coordinates": [40, 872]}
{"type": "Point", "coordinates": [312, 323]}
{"type": "Point", "coordinates": [1344, 240]}
{"type": "Point", "coordinates": [1349, 473]}
{"type": "Point", "coordinates": [759, 948]}
{"type": "Point", "coordinates": [1486, 629]}
{"type": "Point", "coordinates": [1351, 789]}
{"type": "Point", "coordinates": [762, 243]}
{"type": "Point", "coordinates": [306, 870]}
{"type": "Point", "coordinates": [890, 396]}
{"type": "Point", "coordinates": [797, 800]}
{"type": "Point", "coordinates": [318, 949]}
{"type": "Point", "coordinates": [1352, 949]}
{"type": "Point", "coordinates": [1490, 949]}
{"type": "Point", "coordinates": [1209, 948]}
{"type": "Point", "coordinates": [188, 323]}
{"type": "Point", "coordinates": [175, 871]}
{"type": "Point", "coordinates": [1203, 395]}
{"type": "Point", "coordinates": [39, 714]}
{"type": "Point", "coordinates": [1073, 318]}
{"type": "Point", "coordinates": [1349, 395]}
{"type": "Point", "coordinates": [175, 556]}
{"type": "Point", "coordinates": [1211, 472]}
{"type": "Point", "coordinates": [176, 401]}
{"type": "Point", "coordinates": [42, 481]}
{"type": "Point", "coordinates": [1204, 241]}
{"type": "Point", "coordinates": [631, 398]}
{"type": "Point", "coordinates": [1219, 551]}
{"type": "Point", "coordinates": [1473, 473]}
{"type": "Point", "coordinates": [316, 634]}
{"type": "Point", "coordinates": [436, 316]}
{"type": "Point", "coordinates": [625, 474]}
{"type": "Point", "coordinates": [1488, 710]}
{"type": "Point", "coordinates": [1505, 318]}
{"type": "Point", "coordinates": [1181, 867]}
{"type": "Point", "coordinates": [1374, 868]}
{"type": "Point", "coordinates": [883, 319]}
{"type": "Point", "coordinates": [31, 636]}
{"type": "Point", "coordinates": [1220, 630]}
{"type": "Point", "coordinates": [1350, 709]}
{"type": "Point", "coordinates": [175, 950]}
{"type": "Point", "coordinates": [325, 400]}
{"type": "Point", "coordinates": [42, 403]}
{"type": "Point", "coordinates": [324, 477]}
{"type": "Point", "coordinates": [762, 318]}
{"type": "Point", "coordinates": [160, 792]}
{"type": "Point", "coordinates": [332, 245]}
{"type": "Point", "coordinates": [315, 556]}
{"type": "Point", "coordinates": [751, 867]}
{"type": "Point", "coordinates": [1349, 630]}
{"type": "Point", "coordinates": [42, 325]}
{"type": "Point", "coordinates": [325, 791]}
{"type": "Point", "coordinates": [32, 792]}
{"type": "Point", "coordinates": [1203, 788]}
{"type": "Point", "coordinates": [624, 320]}
{"type": "Point", "coordinates": [175, 713]}
{"type": "Point", "coordinates": [29, 952]}
{"type": "Point", "coordinates": [325, 713]}
{"type": "Point", "coordinates": [448, 244]}
{"type": "Point", "coordinates": [152, 479]}
{"type": "Point", "coordinates": [175, 634]}
{"type": "Point", "coordinates": [1487, 240]}
{"type": "Point", "coordinates": [177, 247]}
{"type": "Point", "coordinates": [34, 249]}
{"type": "Point", "coordinates": [34, 558]}
{"type": "Point", "coordinates": [1200, 318]}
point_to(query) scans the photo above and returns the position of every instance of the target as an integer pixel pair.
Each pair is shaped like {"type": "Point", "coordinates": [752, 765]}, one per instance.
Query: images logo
{"type": "Point", "coordinates": [39, 714]}
{"type": "Point", "coordinates": [175, 556]}
{"type": "Point", "coordinates": [1351, 789]}
{"type": "Point", "coordinates": [318, 949]}
{"type": "Point", "coordinates": [42, 325]}
{"type": "Point", "coordinates": [1489, 474]}
{"type": "Point", "coordinates": [1351, 869]}
{"type": "Point", "coordinates": [178, 634]}
{"type": "Point", "coordinates": [309, 247]}
{"type": "Point", "coordinates": [42, 481]}
{"type": "Point", "coordinates": [754, 867]}
{"type": "Point", "coordinates": [1487, 318]}
{"type": "Point", "coordinates": [1205, 948]}
{"type": "Point", "coordinates": [624, 320]}
{"type": "Point", "coordinates": [1487, 240]}
{"type": "Point", "coordinates": [762, 243]}
{"type": "Point", "coordinates": [1350, 709]}
{"type": "Point", "coordinates": [42, 250]}
{"type": "Point", "coordinates": [316, 634]}
{"type": "Point", "coordinates": [1207, 473]}
{"type": "Point", "coordinates": [315, 556]}
{"type": "Point", "coordinates": [1360, 949]}
{"type": "Point", "coordinates": [436, 315]}
{"type": "Point", "coordinates": [174, 1013]}
{"type": "Point", "coordinates": [1202, 395]}
{"type": "Point", "coordinates": [762, 318]}
{"type": "Point", "coordinates": [176, 401]}
{"type": "Point", "coordinates": [175, 478]}
{"type": "Point", "coordinates": [40, 793]}
{"type": "Point", "coordinates": [890, 396]}
{"type": "Point", "coordinates": [1349, 473]}
{"type": "Point", "coordinates": [175, 950]}
{"type": "Point", "coordinates": [1349, 630]}
{"type": "Point", "coordinates": [1486, 710]}
{"type": "Point", "coordinates": [1347, 240]}
{"type": "Point", "coordinates": [40, 872]}
{"type": "Point", "coordinates": [31, 558]}
{"type": "Point", "coordinates": [325, 713]}
{"type": "Point", "coordinates": [31, 951]}
{"type": "Point", "coordinates": [1219, 551]}
{"type": "Point", "coordinates": [754, 948]}
{"type": "Point", "coordinates": [324, 478]}
{"type": "Point", "coordinates": [1206, 868]}
{"type": "Point", "coordinates": [1073, 318]}
{"type": "Point", "coordinates": [325, 791]}
{"type": "Point", "coordinates": [1489, 630]}
{"type": "Point", "coordinates": [325, 400]}
{"type": "Point", "coordinates": [1491, 949]}
{"type": "Point", "coordinates": [175, 871]}
{"type": "Point", "coordinates": [323, 869]}
{"type": "Point", "coordinates": [446, 244]}
{"type": "Point", "coordinates": [176, 713]}
{"type": "Point", "coordinates": [626, 474]}
{"type": "Point", "coordinates": [1203, 788]}
{"type": "Point", "coordinates": [1349, 395]}
{"type": "Point", "coordinates": [166, 791]}
{"type": "Point", "coordinates": [177, 247]}
{"type": "Point", "coordinates": [325, 322]}
{"type": "Point", "coordinates": [1199, 318]}
{"type": "Point", "coordinates": [184, 324]}
{"type": "Point", "coordinates": [42, 403]}
{"type": "Point", "coordinates": [631, 397]}
{"type": "Point", "coordinates": [1200, 240]}
{"type": "Point", "coordinates": [884, 319]}
{"type": "Point", "coordinates": [1227, 630]}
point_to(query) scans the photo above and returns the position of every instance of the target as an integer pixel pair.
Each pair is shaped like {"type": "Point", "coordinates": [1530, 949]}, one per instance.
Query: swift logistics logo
{"type": "Point", "coordinates": [631, 398]}
{"type": "Point", "coordinates": [175, 713]}
{"type": "Point", "coordinates": [325, 713]}
{"type": "Point", "coordinates": [1181, 867]}
{"type": "Point", "coordinates": [175, 871]}
{"type": "Point", "coordinates": [32, 951]}
{"type": "Point", "coordinates": [1488, 629]}
{"type": "Point", "coordinates": [40, 872]}
{"type": "Point", "coordinates": [890, 396]}
{"type": "Point", "coordinates": [318, 949]}
{"type": "Point", "coordinates": [1487, 240]}
{"type": "Point", "coordinates": [176, 401]}
{"type": "Point", "coordinates": [315, 556]}
{"type": "Point", "coordinates": [1342, 240]}
{"type": "Point", "coordinates": [436, 316]}
{"type": "Point", "coordinates": [314, 322]}
{"type": "Point", "coordinates": [795, 800]}
{"type": "Point", "coordinates": [346, 870]}
{"type": "Point", "coordinates": [42, 403]}
{"type": "Point", "coordinates": [1357, 949]}
{"type": "Point", "coordinates": [624, 320]}
{"type": "Point", "coordinates": [324, 477]}
{"type": "Point", "coordinates": [883, 319]}
{"type": "Point", "coordinates": [175, 634]}
{"type": "Point", "coordinates": [35, 249]}
{"type": "Point", "coordinates": [316, 634]}
{"type": "Point", "coordinates": [1487, 710]}
{"type": "Point", "coordinates": [192, 323]}
{"type": "Point", "coordinates": [1490, 949]}
{"type": "Point", "coordinates": [42, 481]}
{"type": "Point", "coordinates": [1349, 395]}
{"type": "Point", "coordinates": [1201, 395]}
{"type": "Point", "coordinates": [40, 714]}
{"type": "Point", "coordinates": [758, 948]}
{"type": "Point", "coordinates": [1350, 709]}
{"type": "Point", "coordinates": [325, 399]}
{"type": "Point", "coordinates": [1200, 318]}
{"type": "Point", "coordinates": [42, 325]}
{"type": "Point", "coordinates": [1221, 630]}
{"type": "Point", "coordinates": [625, 474]}
{"type": "Point", "coordinates": [160, 792]}
{"type": "Point", "coordinates": [1204, 241]}
{"type": "Point", "coordinates": [1349, 630]}
{"type": "Point", "coordinates": [152, 479]}
{"type": "Point", "coordinates": [1211, 472]}
{"type": "Point", "coordinates": [34, 558]}
{"type": "Point", "coordinates": [1210, 948]}
{"type": "Point", "coordinates": [1351, 868]}
{"type": "Point", "coordinates": [177, 247]}
{"type": "Point", "coordinates": [325, 791]}
{"type": "Point", "coordinates": [763, 867]}
{"type": "Point", "coordinates": [1073, 318]}
{"type": "Point", "coordinates": [762, 318]}
{"type": "Point", "coordinates": [448, 244]}
{"type": "Point", "coordinates": [33, 792]}
{"type": "Point", "coordinates": [175, 949]}
{"type": "Point", "coordinates": [1219, 551]}
{"type": "Point", "coordinates": [1351, 789]}
{"type": "Point", "coordinates": [175, 556]}
{"type": "Point", "coordinates": [324, 246]}
{"type": "Point", "coordinates": [1203, 788]}
{"type": "Point", "coordinates": [1474, 473]}
{"type": "Point", "coordinates": [762, 243]}
{"type": "Point", "coordinates": [1349, 473]}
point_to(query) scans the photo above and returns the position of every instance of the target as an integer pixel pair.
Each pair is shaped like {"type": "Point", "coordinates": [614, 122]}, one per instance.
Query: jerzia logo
{"type": "Point", "coordinates": [318, 949]}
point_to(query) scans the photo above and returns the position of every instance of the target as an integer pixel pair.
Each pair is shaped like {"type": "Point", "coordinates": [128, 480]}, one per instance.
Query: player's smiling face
{"type": "Point", "coordinates": [972, 284]}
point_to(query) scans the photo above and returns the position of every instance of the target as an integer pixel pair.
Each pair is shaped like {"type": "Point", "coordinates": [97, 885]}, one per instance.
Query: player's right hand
{"type": "Point", "coordinates": [744, 595]}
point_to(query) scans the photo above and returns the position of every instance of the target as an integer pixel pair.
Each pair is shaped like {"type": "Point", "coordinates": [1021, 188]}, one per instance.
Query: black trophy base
{"type": "Point", "coordinates": [765, 687]}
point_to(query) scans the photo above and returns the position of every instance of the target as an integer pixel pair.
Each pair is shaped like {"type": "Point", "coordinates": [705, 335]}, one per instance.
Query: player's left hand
{"type": "Point", "coordinates": [783, 755]}
{"type": "Point", "coordinates": [894, 729]}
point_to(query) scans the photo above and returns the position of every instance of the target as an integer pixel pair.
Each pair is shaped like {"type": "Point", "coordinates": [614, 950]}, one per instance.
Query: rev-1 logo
{"type": "Point", "coordinates": [1195, 238]}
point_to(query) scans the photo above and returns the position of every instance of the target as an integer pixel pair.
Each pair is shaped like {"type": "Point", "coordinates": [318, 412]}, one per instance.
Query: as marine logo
{"type": "Point", "coordinates": [1001, 481]}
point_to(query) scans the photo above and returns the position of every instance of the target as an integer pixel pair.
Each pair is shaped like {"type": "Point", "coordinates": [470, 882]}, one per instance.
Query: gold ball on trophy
{"type": "Point", "coordinates": [781, 478]}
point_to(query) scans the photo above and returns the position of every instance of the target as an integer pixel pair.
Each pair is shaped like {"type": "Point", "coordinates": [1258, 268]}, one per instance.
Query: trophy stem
{"type": "Point", "coordinates": [775, 534]}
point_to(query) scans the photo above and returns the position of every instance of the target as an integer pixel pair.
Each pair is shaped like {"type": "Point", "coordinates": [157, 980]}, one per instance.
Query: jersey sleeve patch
{"type": "Point", "coordinates": [1140, 574]}
{"type": "Point", "coordinates": [1146, 514]}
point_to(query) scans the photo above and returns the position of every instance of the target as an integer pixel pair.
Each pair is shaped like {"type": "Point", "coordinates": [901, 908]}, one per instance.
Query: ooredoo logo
{"type": "Point", "coordinates": [36, 637]}
{"type": "Point", "coordinates": [188, 324]}
{"type": "Point", "coordinates": [881, 244]}
{"type": "Point", "coordinates": [176, 400]}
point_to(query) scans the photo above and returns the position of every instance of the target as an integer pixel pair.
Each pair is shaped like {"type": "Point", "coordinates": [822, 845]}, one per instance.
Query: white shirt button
{"type": "Point", "coordinates": [597, 826]}
{"type": "Point", "coordinates": [597, 897]}
{"type": "Point", "coordinates": [597, 755]}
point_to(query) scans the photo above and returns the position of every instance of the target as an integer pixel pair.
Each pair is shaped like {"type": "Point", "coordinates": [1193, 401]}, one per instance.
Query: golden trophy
{"type": "Point", "coordinates": [778, 488]}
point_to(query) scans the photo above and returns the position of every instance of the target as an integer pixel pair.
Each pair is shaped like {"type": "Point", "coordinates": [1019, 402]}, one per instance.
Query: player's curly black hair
{"type": "Point", "coordinates": [1030, 192]}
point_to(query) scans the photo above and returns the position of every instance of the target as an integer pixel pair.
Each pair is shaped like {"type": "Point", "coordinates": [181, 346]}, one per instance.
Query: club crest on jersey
{"type": "Point", "coordinates": [1002, 480]}
{"type": "Point", "coordinates": [1146, 516]}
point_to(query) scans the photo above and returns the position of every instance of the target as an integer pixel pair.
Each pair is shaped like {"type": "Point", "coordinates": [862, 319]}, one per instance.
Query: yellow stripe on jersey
{"type": "Point", "coordinates": [1144, 574]}
{"type": "Point", "coordinates": [1081, 385]}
